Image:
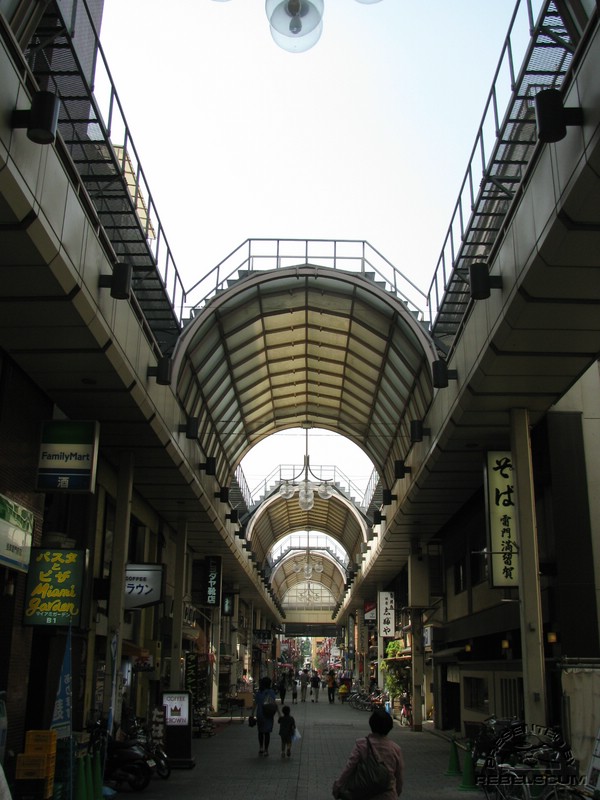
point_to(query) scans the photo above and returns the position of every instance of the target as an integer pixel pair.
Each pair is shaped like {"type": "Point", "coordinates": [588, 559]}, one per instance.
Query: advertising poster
{"type": "Point", "coordinates": [54, 587]}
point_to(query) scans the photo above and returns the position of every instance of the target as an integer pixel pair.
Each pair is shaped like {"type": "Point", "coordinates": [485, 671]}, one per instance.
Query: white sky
{"type": "Point", "coordinates": [366, 136]}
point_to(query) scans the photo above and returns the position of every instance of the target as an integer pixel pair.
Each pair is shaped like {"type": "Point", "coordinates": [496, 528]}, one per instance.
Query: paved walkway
{"type": "Point", "coordinates": [228, 766]}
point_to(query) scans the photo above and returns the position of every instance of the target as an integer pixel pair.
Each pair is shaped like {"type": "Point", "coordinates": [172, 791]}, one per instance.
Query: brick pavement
{"type": "Point", "coordinates": [228, 766]}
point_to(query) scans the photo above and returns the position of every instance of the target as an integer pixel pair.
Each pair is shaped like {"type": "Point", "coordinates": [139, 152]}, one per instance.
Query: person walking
{"type": "Point", "coordinates": [303, 685]}
{"type": "Point", "coordinates": [287, 726]}
{"type": "Point", "coordinates": [282, 687]}
{"type": "Point", "coordinates": [294, 692]}
{"type": "Point", "coordinates": [315, 685]}
{"type": "Point", "coordinates": [331, 686]}
{"type": "Point", "coordinates": [265, 709]}
{"type": "Point", "coordinates": [386, 751]}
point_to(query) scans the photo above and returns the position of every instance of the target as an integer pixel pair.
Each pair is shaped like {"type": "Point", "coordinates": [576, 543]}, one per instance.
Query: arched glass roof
{"type": "Point", "coordinates": [304, 346]}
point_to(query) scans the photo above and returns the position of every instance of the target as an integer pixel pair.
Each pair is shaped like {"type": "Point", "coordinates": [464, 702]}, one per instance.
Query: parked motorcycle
{"type": "Point", "coordinates": [135, 730]}
{"type": "Point", "coordinates": [125, 762]}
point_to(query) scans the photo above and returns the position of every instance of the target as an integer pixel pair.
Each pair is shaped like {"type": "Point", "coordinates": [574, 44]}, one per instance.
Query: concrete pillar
{"type": "Point", "coordinates": [111, 706]}
{"type": "Point", "coordinates": [380, 645]}
{"type": "Point", "coordinates": [176, 681]}
{"type": "Point", "coordinates": [530, 605]}
{"type": "Point", "coordinates": [418, 599]}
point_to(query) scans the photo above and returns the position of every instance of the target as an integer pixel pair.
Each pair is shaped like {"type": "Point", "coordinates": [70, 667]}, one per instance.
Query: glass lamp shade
{"type": "Point", "coordinates": [297, 44]}
{"type": "Point", "coordinates": [368, 2]}
{"type": "Point", "coordinates": [306, 489]}
{"type": "Point", "coordinates": [287, 490]}
{"type": "Point", "coordinates": [325, 491]}
{"type": "Point", "coordinates": [318, 567]}
{"type": "Point", "coordinates": [306, 496]}
{"type": "Point", "coordinates": [308, 570]}
{"type": "Point", "coordinates": [297, 566]}
{"type": "Point", "coordinates": [295, 18]}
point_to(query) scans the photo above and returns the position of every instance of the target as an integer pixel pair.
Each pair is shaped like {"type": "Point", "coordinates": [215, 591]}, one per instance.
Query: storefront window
{"type": "Point", "coordinates": [476, 694]}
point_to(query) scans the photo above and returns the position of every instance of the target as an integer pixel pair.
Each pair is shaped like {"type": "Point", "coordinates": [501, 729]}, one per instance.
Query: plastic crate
{"type": "Point", "coordinates": [31, 766]}
{"type": "Point", "coordinates": [40, 742]}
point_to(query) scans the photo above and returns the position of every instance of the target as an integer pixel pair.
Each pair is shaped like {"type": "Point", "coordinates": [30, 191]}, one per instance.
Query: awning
{"type": "Point", "coordinates": [448, 654]}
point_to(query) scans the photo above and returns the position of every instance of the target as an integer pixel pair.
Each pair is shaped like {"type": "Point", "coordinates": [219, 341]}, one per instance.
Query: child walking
{"type": "Point", "coordinates": [287, 726]}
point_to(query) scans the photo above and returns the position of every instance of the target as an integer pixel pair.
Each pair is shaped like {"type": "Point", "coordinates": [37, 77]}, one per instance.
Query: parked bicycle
{"type": "Point", "coordinates": [524, 762]}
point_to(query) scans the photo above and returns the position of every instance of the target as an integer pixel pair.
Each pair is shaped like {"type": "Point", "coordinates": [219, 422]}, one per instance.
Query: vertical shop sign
{"type": "Point", "coordinates": [502, 519]}
{"type": "Point", "coordinates": [54, 587]}
{"type": "Point", "coordinates": [370, 611]}
{"type": "Point", "coordinates": [16, 531]}
{"type": "Point", "coordinates": [386, 614]}
{"type": "Point", "coordinates": [68, 456]}
{"type": "Point", "coordinates": [212, 571]}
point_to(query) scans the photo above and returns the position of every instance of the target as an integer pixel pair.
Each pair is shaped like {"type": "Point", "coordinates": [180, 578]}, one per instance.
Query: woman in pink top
{"type": "Point", "coordinates": [381, 723]}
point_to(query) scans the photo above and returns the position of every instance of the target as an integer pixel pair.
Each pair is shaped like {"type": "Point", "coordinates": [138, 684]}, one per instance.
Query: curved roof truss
{"type": "Point", "coordinates": [307, 346]}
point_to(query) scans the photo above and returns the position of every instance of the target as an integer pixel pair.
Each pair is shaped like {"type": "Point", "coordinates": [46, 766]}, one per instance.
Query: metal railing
{"type": "Point", "coordinates": [95, 131]}
{"type": "Point", "coordinates": [289, 472]}
{"type": "Point", "coordinates": [534, 56]}
{"type": "Point", "coordinates": [255, 255]}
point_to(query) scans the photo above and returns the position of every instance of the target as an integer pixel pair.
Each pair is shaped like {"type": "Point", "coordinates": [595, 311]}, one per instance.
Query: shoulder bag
{"type": "Point", "coordinates": [371, 777]}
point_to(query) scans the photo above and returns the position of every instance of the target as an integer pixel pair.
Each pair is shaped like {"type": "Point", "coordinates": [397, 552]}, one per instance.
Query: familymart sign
{"type": "Point", "coordinates": [68, 456]}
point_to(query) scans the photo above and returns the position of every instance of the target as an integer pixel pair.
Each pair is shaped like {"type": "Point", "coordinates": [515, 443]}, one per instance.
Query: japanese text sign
{"type": "Point", "coordinates": [212, 576]}
{"type": "Point", "coordinates": [68, 456]}
{"type": "Point", "coordinates": [502, 519]}
{"type": "Point", "coordinates": [386, 614]}
{"type": "Point", "coordinates": [54, 587]}
{"type": "Point", "coordinates": [143, 585]}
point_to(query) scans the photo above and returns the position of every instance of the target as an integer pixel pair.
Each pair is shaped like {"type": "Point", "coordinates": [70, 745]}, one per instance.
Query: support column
{"type": "Point", "coordinates": [530, 605]}
{"type": "Point", "coordinates": [216, 641]}
{"type": "Point", "coordinates": [418, 599]}
{"type": "Point", "coordinates": [111, 706]}
{"type": "Point", "coordinates": [380, 644]}
{"type": "Point", "coordinates": [176, 681]}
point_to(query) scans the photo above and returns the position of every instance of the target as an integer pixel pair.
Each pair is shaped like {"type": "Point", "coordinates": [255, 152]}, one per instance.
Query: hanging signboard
{"type": "Point", "coordinates": [370, 610]}
{"type": "Point", "coordinates": [386, 614]}
{"type": "Point", "coordinates": [16, 532]}
{"type": "Point", "coordinates": [68, 456]}
{"type": "Point", "coordinates": [206, 581]}
{"type": "Point", "coordinates": [212, 577]}
{"type": "Point", "coordinates": [54, 587]}
{"type": "Point", "coordinates": [143, 585]}
{"type": "Point", "coordinates": [502, 519]}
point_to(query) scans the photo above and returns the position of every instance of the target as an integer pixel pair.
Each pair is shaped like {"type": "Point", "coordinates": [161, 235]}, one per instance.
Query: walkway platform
{"type": "Point", "coordinates": [228, 765]}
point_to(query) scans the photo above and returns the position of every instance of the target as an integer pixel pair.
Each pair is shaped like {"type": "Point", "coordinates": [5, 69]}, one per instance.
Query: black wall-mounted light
{"type": "Point", "coordinates": [481, 282]}
{"type": "Point", "coordinates": [378, 518]}
{"type": "Point", "coordinates": [233, 515]}
{"type": "Point", "coordinates": [119, 282]}
{"type": "Point", "coordinates": [400, 469]}
{"type": "Point", "coordinates": [41, 120]}
{"type": "Point", "coordinates": [191, 428]}
{"type": "Point", "coordinates": [209, 466]}
{"type": "Point", "coordinates": [552, 118]}
{"type": "Point", "coordinates": [162, 371]}
{"type": "Point", "coordinates": [388, 497]}
{"type": "Point", "coordinates": [223, 494]}
{"type": "Point", "coordinates": [417, 431]}
{"type": "Point", "coordinates": [441, 374]}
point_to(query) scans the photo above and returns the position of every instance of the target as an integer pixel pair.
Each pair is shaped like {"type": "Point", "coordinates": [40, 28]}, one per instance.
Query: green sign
{"type": "Point", "coordinates": [16, 529]}
{"type": "Point", "coordinates": [54, 587]}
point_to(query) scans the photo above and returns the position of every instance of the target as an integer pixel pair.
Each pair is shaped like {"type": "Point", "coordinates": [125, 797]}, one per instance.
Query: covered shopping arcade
{"type": "Point", "coordinates": [313, 335]}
